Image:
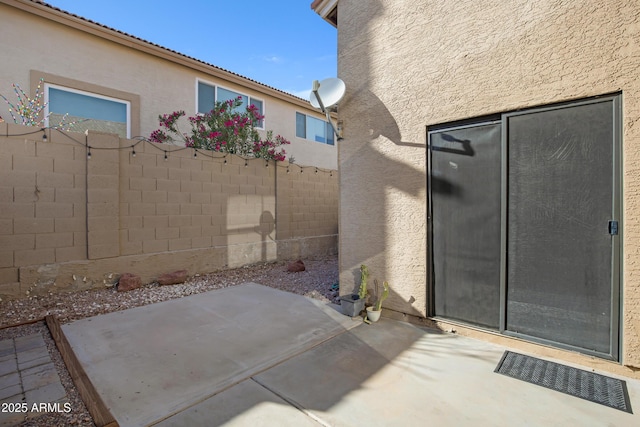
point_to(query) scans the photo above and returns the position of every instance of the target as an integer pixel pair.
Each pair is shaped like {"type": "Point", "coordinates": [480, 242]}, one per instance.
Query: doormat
{"type": "Point", "coordinates": [586, 385]}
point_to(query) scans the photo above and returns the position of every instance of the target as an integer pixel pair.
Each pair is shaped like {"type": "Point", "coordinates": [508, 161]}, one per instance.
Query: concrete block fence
{"type": "Point", "coordinates": [70, 222]}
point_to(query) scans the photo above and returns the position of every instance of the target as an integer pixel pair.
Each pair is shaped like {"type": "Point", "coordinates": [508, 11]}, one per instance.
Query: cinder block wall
{"type": "Point", "coordinates": [307, 203]}
{"type": "Point", "coordinates": [68, 222]}
{"type": "Point", "coordinates": [42, 203]}
{"type": "Point", "coordinates": [187, 202]}
{"type": "Point", "coordinates": [407, 65]}
{"type": "Point", "coordinates": [307, 211]}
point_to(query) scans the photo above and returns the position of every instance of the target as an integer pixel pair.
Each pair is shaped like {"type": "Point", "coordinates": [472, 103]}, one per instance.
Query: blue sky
{"type": "Point", "coordinates": [281, 43]}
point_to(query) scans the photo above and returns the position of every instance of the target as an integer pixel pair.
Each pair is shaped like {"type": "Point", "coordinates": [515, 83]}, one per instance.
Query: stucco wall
{"type": "Point", "coordinates": [410, 64]}
{"type": "Point", "coordinates": [68, 222]}
{"type": "Point", "coordinates": [31, 45]}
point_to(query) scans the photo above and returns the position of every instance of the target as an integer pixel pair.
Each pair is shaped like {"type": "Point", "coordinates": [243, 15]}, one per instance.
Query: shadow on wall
{"type": "Point", "coordinates": [266, 228]}
{"type": "Point", "coordinates": [379, 120]}
{"type": "Point", "coordinates": [379, 188]}
{"type": "Point", "coordinates": [249, 221]}
{"type": "Point", "coordinates": [383, 181]}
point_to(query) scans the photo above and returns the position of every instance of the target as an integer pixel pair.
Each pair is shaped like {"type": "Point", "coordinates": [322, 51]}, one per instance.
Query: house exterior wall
{"type": "Point", "coordinates": [38, 41]}
{"type": "Point", "coordinates": [407, 65]}
{"type": "Point", "coordinates": [68, 222]}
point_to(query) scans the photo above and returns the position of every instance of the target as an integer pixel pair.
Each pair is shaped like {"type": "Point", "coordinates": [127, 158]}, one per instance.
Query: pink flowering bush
{"type": "Point", "coordinates": [223, 129]}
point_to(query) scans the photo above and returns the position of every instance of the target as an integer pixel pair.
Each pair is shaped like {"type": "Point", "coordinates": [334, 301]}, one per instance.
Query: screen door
{"type": "Point", "coordinates": [562, 224]}
{"type": "Point", "coordinates": [525, 224]}
{"type": "Point", "coordinates": [465, 201]}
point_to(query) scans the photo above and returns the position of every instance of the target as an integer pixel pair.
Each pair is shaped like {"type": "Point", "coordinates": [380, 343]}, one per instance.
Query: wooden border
{"type": "Point", "coordinates": [97, 408]}
{"type": "Point", "coordinates": [26, 322]}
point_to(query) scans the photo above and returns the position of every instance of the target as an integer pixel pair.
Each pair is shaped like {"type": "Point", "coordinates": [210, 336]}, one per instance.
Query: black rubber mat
{"type": "Point", "coordinates": [586, 385]}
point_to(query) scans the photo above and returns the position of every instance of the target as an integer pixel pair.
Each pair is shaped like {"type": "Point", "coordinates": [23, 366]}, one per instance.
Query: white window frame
{"type": "Point", "coordinates": [47, 86]}
{"type": "Point", "coordinates": [327, 129]}
{"type": "Point", "coordinates": [208, 83]}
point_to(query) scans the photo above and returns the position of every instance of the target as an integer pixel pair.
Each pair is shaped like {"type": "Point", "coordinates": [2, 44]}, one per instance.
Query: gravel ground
{"type": "Point", "coordinates": [317, 281]}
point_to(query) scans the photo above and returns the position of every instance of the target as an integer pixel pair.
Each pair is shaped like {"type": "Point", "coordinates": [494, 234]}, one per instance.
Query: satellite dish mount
{"type": "Point", "coordinates": [325, 95]}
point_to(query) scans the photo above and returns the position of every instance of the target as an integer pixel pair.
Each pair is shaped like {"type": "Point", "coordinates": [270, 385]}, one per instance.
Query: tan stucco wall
{"type": "Point", "coordinates": [410, 64]}
{"type": "Point", "coordinates": [68, 222]}
{"type": "Point", "coordinates": [32, 45]}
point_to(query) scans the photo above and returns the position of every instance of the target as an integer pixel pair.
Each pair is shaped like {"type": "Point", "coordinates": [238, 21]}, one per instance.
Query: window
{"type": "Point", "coordinates": [206, 97]}
{"type": "Point", "coordinates": [314, 129]}
{"type": "Point", "coordinates": [208, 94]}
{"type": "Point", "coordinates": [87, 111]}
{"type": "Point", "coordinates": [227, 95]}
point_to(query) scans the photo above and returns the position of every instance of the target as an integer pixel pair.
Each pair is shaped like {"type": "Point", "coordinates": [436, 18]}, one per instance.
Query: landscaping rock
{"type": "Point", "coordinates": [173, 278]}
{"type": "Point", "coordinates": [129, 281]}
{"type": "Point", "coordinates": [296, 267]}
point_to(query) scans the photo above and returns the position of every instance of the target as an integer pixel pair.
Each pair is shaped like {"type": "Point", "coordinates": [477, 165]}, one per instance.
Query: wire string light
{"type": "Point", "coordinates": [143, 140]}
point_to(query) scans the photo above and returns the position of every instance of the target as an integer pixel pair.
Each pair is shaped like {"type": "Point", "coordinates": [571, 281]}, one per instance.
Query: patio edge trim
{"type": "Point", "coordinates": [101, 415]}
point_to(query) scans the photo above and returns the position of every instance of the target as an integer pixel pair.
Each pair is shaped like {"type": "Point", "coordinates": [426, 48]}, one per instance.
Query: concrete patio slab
{"type": "Point", "coordinates": [246, 404]}
{"type": "Point", "coordinates": [251, 355]}
{"type": "Point", "coordinates": [393, 373]}
{"type": "Point", "coordinates": [150, 362]}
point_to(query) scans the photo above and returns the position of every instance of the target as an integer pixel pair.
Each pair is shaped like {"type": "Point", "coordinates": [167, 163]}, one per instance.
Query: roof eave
{"type": "Point", "coordinates": [327, 9]}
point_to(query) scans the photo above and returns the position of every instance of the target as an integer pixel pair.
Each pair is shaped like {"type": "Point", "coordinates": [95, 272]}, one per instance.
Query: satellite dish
{"type": "Point", "coordinates": [326, 94]}
{"type": "Point", "coordinates": [330, 91]}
